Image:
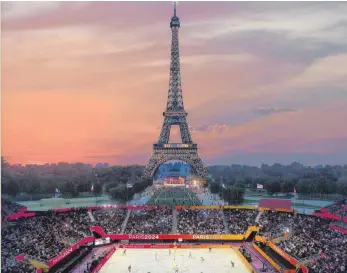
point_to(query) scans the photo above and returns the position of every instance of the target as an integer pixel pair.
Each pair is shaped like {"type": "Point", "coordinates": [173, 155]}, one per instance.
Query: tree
{"type": "Point", "coordinates": [119, 192]}
{"type": "Point", "coordinates": [10, 187]}
{"type": "Point", "coordinates": [342, 186]}
{"type": "Point", "coordinates": [234, 194]}
{"type": "Point", "coordinates": [303, 186]}
{"type": "Point", "coordinates": [273, 187]}
{"type": "Point", "coordinates": [70, 188]}
{"type": "Point", "coordinates": [287, 186]}
{"type": "Point", "coordinates": [97, 189]}
{"type": "Point", "coordinates": [214, 187]}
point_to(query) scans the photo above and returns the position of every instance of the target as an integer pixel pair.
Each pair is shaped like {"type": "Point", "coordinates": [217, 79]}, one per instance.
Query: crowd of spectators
{"type": "Point", "coordinates": [309, 238]}
{"type": "Point", "coordinates": [43, 237]}
{"type": "Point", "coordinates": [8, 207]}
{"type": "Point", "coordinates": [328, 264]}
{"type": "Point", "coordinates": [13, 266]}
{"type": "Point", "coordinates": [273, 224]}
{"type": "Point", "coordinates": [239, 220]}
{"type": "Point", "coordinates": [150, 221]}
{"type": "Point", "coordinates": [338, 207]}
{"type": "Point", "coordinates": [110, 220]}
{"type": "Point", "coordinates": [200, 221]}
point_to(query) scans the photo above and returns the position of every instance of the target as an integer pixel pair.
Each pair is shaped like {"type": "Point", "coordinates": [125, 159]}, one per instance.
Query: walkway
{"type": "Point", "coordinates": [124, 224]}
{"type": "Point", "coordinates": [226, 226]}
{"type": "Point", "coordinates": [174, 221]}
{"type": "Point", "coordinates": [91, 216]}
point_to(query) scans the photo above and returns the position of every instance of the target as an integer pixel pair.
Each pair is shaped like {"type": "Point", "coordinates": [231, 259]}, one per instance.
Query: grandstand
{"type": "Point", "coordinates": [59, 239]}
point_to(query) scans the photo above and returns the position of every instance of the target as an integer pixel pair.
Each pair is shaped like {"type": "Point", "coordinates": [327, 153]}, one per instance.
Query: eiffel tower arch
{"type": "Point", "coordinates": [175, 114]}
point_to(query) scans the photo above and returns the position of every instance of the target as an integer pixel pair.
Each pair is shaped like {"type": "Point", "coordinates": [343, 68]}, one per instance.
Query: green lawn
{"type": "Point", "coordinates": [174, 197]}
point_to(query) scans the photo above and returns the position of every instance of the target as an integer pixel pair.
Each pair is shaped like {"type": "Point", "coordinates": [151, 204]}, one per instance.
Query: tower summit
{"type": "Point", "coordinates": [186, 151]}
{"type": "Point", "coordinates": [175, 21]}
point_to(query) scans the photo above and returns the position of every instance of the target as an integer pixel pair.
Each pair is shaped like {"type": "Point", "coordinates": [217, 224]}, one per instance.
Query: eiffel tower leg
{"type": "Point", "coordinates": [165, 131]}
{"type": "Point", "coordinates": [185, 134]}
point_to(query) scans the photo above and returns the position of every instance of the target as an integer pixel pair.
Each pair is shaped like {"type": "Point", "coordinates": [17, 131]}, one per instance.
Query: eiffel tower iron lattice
{"type": "Point", "coordinates": [175, 114]}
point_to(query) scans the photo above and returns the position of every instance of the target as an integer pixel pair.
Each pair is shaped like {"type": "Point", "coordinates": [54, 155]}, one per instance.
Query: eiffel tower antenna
{"type": "Point", "coordinates": [175, 114]}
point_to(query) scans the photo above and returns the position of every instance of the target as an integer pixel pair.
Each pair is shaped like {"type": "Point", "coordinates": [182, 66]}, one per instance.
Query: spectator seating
{"type": "Point", "coordinates": [239, 220]}
{"type": "Point", "coordinates": [110, 220]}
{"type": "Point", "coordinates": [154, 221]}
{"type": "Point", "coordinates": [200, 222]}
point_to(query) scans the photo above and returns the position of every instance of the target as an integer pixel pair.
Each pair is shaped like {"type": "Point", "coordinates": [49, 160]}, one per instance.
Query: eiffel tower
{"type": "Point", "coordinates": [163, 151]}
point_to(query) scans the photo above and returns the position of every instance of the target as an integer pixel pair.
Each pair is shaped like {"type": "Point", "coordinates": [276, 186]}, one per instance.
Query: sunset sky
{"type": "Point", "coordinates": [88, 81]}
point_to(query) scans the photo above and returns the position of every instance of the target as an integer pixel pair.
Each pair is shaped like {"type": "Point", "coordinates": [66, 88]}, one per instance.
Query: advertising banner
{"type": "Point", "coordinates": [338, 229]}
{"type": "Point", "coordinates": [104, 260]}
{"type": "Point", "coordinates": [282, 253]}
{"type": "Point", "coordinates": [62, 255]}
{"type": "Point", "coordinates": [202, 207]}
{"type": "Point", "coordinates": [86, 240]}
{"type": "Point", "coordinates": [166, 246]}
{"type": "Point", "coordinates": [20, 214]}
{"type": "Point", "coordinates": [239, 207]}
{"type": "Point", "coordinates": [175, 237]}
{"type": "Point", "coordinates": [102, 241]}
{"type": "Point", "coordinates": [125, 207]}
{"type": "Point", "coordinates": [327, 215]}
{"type": "Point", "coordinates": [69, 250]}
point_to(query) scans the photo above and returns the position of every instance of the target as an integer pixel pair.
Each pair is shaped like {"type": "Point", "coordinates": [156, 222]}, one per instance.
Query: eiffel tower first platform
{"type": "Point", "coordinates": [163, 151]}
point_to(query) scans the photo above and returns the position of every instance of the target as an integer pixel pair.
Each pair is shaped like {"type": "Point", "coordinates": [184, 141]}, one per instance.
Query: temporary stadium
{"type": "Point", "coordinates": [175, 239]}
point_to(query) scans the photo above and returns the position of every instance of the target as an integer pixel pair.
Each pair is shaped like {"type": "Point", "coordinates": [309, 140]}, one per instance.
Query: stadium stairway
{"type": "Point", "coordinates": [226, 227]}
{"type": "Point", "coordinates": [258, 216]}
{"type": "Point", "coordinates": [91, 216]}
{"type": "Point", "coordinates": [125, 221]}
{"type": "Point", "coordinates": [174, 221]}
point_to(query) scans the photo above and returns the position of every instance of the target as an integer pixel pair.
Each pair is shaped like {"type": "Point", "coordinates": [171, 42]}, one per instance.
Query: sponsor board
{"type": "Point", "coordinates": [282, 253]}
{"type": "Point", "coordinates": [104, 260]}
{"type": "Point", "coordinates": [63, 255]}
{"type": "Point", "coordinates": [102, 241]}
{"type": "Point", "coordinates": [218, 237]}
{"type": "Point", "coordinates": [235, 237]}
{"type": "Point", "coordinates": [167, 246]}
{"type": "Point", "coordinates": [68, 251]}
{"type": "Point", "coordinates": [339, 229]}
{"type": "Point", "coordinates": [21, 214]}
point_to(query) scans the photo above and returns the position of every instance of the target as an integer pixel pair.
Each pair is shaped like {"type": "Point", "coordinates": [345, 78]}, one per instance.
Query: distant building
{"type": "Point", "coordinates": [101, 165]}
